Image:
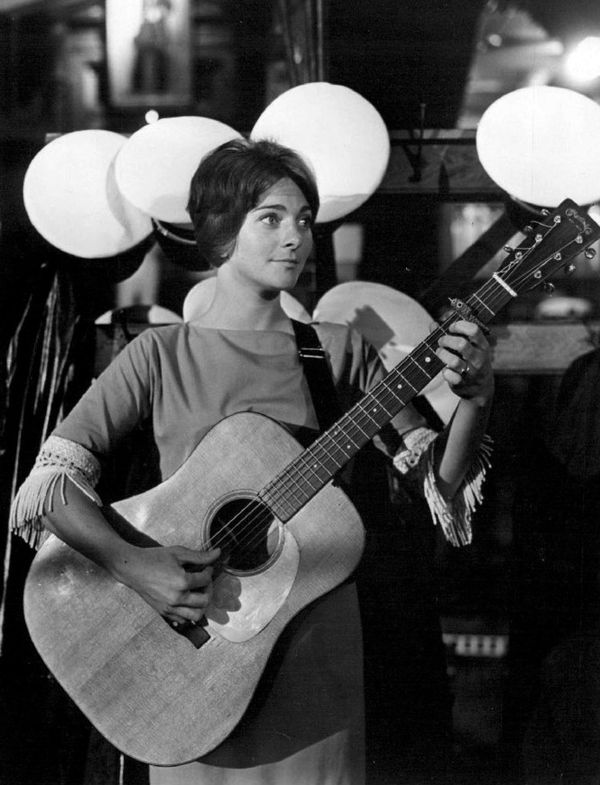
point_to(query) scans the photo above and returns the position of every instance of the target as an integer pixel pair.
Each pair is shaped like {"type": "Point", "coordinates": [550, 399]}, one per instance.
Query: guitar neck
{"type": "Point", "coordinates": [302, 479]}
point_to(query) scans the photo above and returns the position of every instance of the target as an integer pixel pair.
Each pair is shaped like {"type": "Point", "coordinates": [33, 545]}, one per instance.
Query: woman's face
{"type": "Point", "coordinates": [275, 239]}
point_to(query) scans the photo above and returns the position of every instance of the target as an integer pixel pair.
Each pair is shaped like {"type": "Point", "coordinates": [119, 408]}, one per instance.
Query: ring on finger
{"type": "Point", "coordinates": [465, 371]}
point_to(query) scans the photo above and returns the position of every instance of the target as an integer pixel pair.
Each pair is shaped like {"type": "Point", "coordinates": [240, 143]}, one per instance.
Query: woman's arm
{"type": "Point", "coordinates": [175, 581]}
{"type": "Point", "coordinates": [466, 353]}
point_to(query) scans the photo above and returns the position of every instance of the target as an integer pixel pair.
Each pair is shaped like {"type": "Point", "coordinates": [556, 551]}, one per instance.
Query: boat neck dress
{"type": "Point", "coordinates": [305, 723]}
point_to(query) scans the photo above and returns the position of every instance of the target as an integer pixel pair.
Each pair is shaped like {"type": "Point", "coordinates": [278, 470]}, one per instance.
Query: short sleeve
{"type": "Point", "coordinates": [117, 401]}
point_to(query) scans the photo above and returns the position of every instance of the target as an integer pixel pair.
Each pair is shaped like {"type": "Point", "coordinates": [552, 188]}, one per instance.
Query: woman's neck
{"type": "Point", "coordinates": [237, 308]}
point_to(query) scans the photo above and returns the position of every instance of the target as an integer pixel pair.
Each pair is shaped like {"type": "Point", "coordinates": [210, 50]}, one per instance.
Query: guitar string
{"type": "Point", "coordinates": [248, 518]}
{"type": "Point", "coordinates": [264, 516]}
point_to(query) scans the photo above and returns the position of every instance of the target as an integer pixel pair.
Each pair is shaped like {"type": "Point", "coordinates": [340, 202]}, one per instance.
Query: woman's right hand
{"type": "Point", "coordinates": [175, 581]}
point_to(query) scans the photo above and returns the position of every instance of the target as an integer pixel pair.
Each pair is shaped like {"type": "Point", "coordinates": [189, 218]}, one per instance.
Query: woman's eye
{"type": "Point", "coordinates": [306, 222]}
{"type": "Point", "coordinates": [270, 218]}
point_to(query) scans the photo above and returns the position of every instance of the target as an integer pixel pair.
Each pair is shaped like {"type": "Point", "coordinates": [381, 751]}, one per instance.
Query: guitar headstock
{"type": "Point", "coordinates": [550, 245]}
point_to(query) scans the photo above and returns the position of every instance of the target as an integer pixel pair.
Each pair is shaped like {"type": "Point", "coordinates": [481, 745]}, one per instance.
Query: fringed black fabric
{"type": "Point", "coordinates": [454, 517]}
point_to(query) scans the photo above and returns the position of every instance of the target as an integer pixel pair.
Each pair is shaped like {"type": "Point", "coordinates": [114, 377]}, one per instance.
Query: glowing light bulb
{"type": "Point", "coordinates": [583, 62]}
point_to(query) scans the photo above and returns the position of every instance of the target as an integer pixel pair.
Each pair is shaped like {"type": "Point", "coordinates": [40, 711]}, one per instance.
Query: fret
{"type": "Point", "coordinates": [333, 449]}
{"type": "Point", "coordinates": [282, 505]}
{"type": "Point", "coordinates": [429, 360]}
{"type": "Point", "coordinates": [389, 384]}
{"type": "Point", "coordinates": [485, 305]}
{"type": "Point", "coordinates": [355, 423]}
{"type": "Point", "coordinates": [426, 376]}
{"type": "Point", "coordinates": [406, 381]}
{"type": "Point", "coordinates": [338, 437]}
{"type": "Point", "coordinates": [328, 444]}
{"type": "Point", "coordinates": [319, 462]}
{"type": "Point", "coordinates": [368, 414]}
{"type": "Point", "coordinates": [304, 475]}
{"type": "Point", "coordinates": [308, 471]}
{"type": "Point", "coordinates": [386, 411]}
{"type": "Point", "coordinates": [305, 469]}
{"type": "Point", "coordinates": [377, 414]}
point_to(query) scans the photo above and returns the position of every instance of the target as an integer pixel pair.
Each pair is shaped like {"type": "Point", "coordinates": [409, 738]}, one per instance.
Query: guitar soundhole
{"type": "Point", "coordinates": [247, 533]}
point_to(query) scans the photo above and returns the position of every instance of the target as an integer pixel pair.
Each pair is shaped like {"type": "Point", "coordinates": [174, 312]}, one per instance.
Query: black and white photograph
{"type": "Point", "coordinates": [299, 392]}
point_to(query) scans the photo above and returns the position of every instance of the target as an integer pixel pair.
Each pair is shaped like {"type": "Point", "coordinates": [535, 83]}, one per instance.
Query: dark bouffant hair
{"type": "Point", "coordinates": [230, 181]}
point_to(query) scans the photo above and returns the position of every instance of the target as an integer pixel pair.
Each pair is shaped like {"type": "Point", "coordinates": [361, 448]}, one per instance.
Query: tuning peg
{"type": "Point", "coordinates": [545, 211]}
{"type": "Point", "coordinates": [549, 287]}
{"type": "Point", "coordinates": [528, 229]}
{"type": "Point", "coordinates": [570, 268]}
{"type": "Point", "coordinates": [508, 249]}
{"type": "Point", "coordinates": [589, 253]}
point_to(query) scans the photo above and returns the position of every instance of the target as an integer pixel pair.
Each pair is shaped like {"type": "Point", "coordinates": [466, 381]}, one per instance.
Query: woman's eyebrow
{"type": "Point", "coordinates": [304, 208]}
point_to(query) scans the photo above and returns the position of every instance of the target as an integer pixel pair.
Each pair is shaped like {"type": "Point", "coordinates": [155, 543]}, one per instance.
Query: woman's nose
{"type": "Point", "coordinates": [293, 236]}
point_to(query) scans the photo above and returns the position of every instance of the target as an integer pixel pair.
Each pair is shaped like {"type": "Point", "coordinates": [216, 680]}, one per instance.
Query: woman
{"type": "Point", "coordinates": [253, 205]}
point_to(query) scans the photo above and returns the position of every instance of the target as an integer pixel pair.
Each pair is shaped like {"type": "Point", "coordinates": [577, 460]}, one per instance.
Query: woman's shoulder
{"type": "Point", "coordinates": [152, 343]}
{"type": "Point", "coordinates": [167, 335]}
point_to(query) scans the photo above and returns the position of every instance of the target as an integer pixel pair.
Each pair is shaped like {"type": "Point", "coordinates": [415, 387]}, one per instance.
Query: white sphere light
{"type": "Point", "coordinates": [154, 168]}
{"type": "Point", "coordinates": [392, 322]}
{"type": "Point", "coordinates": [540, 145]}
{"type": "Point", "coordinates": [72, 199]}
{"type": "Point", "coordinates": [583, 62]}
{"type": "Point", "coordinates": [151, 116]}
{"type": "Point", "coordinates": [341, 135]}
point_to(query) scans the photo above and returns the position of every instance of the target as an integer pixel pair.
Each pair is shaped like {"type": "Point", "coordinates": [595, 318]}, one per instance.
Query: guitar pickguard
{"type": "Point", "coordinates": [243, 605]}
{"type": "Point", "coordinates": [160, 696]}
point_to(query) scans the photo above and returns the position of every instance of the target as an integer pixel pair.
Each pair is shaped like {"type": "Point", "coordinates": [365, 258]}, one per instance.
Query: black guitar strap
{"type": "Point", "coordinates": [318, 375]}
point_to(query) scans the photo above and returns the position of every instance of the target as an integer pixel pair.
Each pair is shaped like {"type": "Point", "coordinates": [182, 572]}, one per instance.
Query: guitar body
{"type": "Point", "coordinates": [168, 698]}
{"type": "Point", "coordinates": [157, 695]}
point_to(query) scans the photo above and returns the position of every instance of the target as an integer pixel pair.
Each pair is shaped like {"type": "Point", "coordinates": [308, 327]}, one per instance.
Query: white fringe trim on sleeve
{"type": "Point", "coordinates": [416, 443]}
{"type": "Point", "coordinates": [58, 460]}
{"type": "Point", "coordinates": [453, 516]}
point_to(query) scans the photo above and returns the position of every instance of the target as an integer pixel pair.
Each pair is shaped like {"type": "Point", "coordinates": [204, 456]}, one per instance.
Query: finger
{"type": "Point", "coordinates": [462, 326]}
{"type": "Point", "coordinates": [454, 378]}
{"type": "Point", "coordinates": [194, 557]}
{"type": "Point", "coordinates": [453, 360]}
{"type": "Point", "coordinates": [193, 601]}
{"type": "Point", "coordinates": [455, 343]}
{"type": "Point", "coordinates": [197, 581]}
{"type": "Point", "coordinates": [473, 334]}
{"type": "Point", "coordinates": [174, 619]}
{"type": "Point", "coordinates": [190, 608]}
{"type": "Point", "coordinates": [194, 605]}
{"type": "Point", "coordinates": [185, 624]}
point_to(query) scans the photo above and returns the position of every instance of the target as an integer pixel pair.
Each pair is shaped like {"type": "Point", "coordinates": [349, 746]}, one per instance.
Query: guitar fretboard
{"type": "Point", "coordinates": [304, 477]}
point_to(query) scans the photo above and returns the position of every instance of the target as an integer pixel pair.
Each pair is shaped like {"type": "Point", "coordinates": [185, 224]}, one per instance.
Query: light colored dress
{"type": "Point", "coordinates": [305, 723]}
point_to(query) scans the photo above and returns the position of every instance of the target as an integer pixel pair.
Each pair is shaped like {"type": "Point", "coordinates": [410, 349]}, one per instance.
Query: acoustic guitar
{"type": "Point", "coordinates": [288, 532]}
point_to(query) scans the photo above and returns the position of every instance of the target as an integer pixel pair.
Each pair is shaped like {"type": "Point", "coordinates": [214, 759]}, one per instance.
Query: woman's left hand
{"type": "Point", "coordinates": [466, 353]}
